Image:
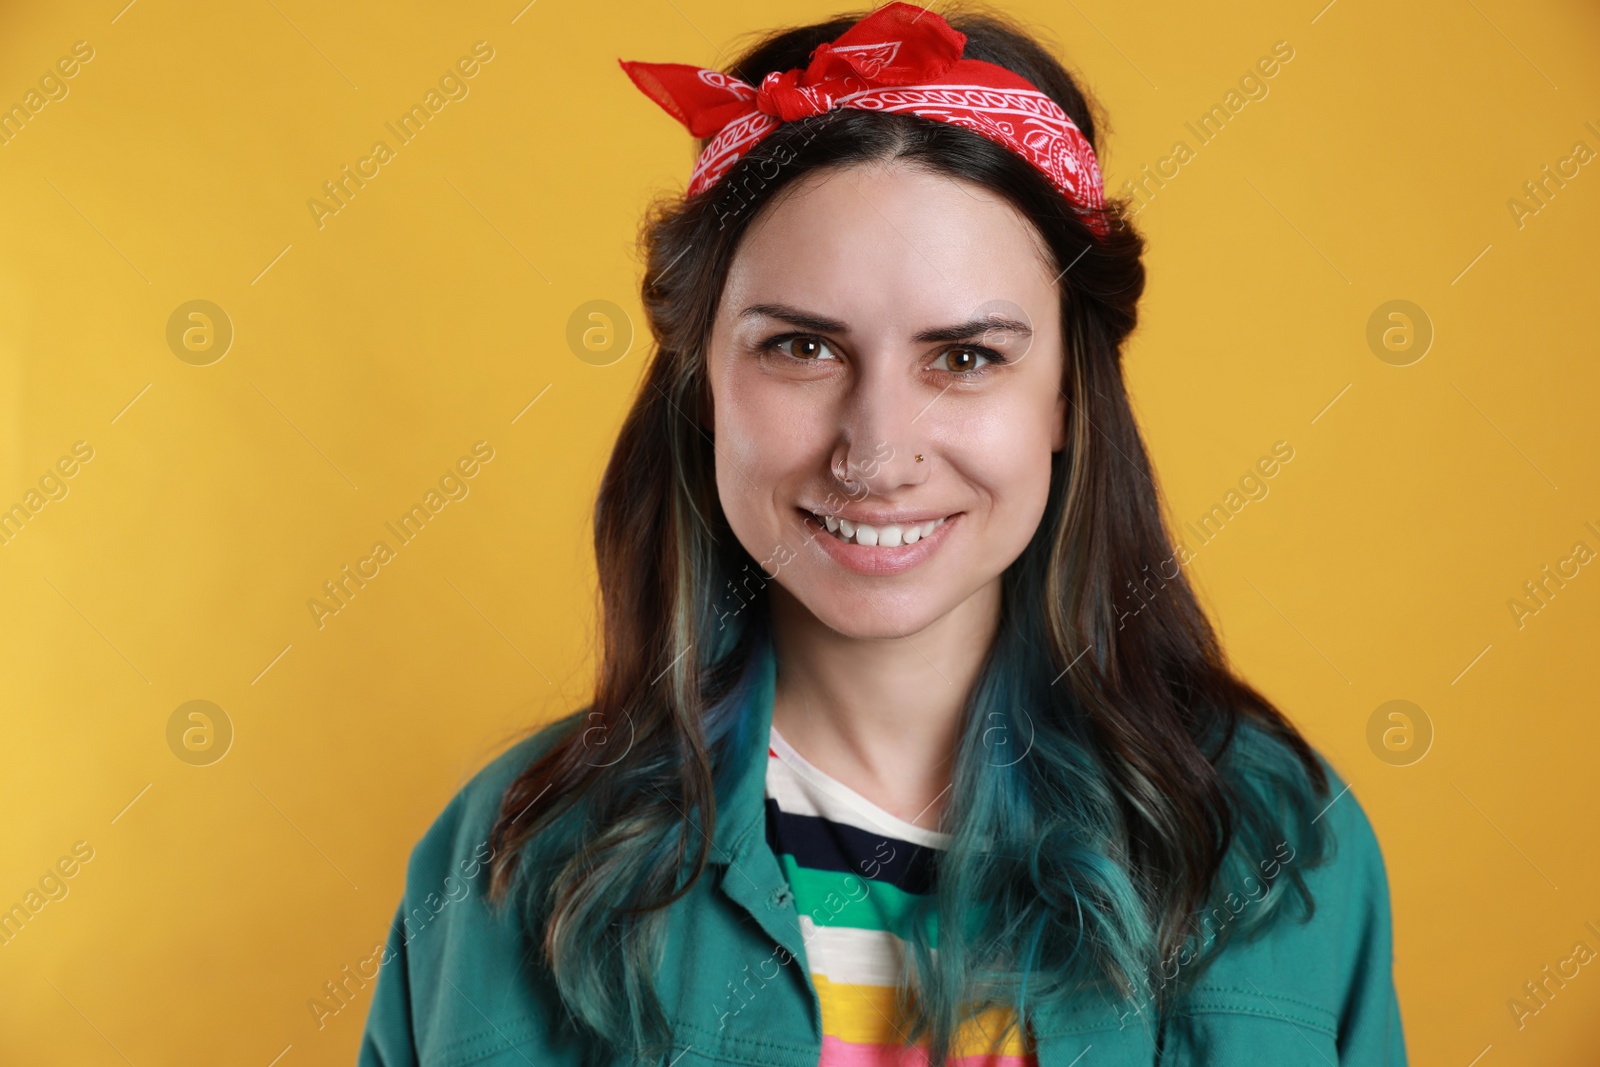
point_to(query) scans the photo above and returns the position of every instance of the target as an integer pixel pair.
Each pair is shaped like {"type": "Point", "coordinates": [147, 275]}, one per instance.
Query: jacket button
{"type": "Point", "coordinates": [780, 897]}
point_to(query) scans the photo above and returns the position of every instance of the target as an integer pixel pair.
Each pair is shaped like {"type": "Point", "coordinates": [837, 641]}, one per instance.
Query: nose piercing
{"type": "Point", "coordinates": [919, 457]}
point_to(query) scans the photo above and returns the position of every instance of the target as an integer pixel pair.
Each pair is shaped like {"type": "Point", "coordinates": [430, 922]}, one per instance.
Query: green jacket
{"type": "Point", "coordinates": [454, 989]}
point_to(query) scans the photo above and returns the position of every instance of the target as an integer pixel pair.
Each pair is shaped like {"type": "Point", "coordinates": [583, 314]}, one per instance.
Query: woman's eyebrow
{"type": "Point", "coordinates": [961, 331]}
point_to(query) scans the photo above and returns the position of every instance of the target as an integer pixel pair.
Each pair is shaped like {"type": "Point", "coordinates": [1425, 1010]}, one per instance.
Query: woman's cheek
{"type": "Point", "coordinates": [1002, 444]}
{"type": "Point", "coordinates": [764, 426]}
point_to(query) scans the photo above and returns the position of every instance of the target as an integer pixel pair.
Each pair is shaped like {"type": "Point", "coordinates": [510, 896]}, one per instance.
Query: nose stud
{"type": "Point", "coordinates": [919, 457]}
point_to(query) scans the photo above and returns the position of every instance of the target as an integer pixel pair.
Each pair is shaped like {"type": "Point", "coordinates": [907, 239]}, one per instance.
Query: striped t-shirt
{"type": "Point", "coordinates": [855, 869]}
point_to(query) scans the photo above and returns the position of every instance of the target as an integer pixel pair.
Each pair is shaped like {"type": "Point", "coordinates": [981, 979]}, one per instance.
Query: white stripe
{"type": "Point", "coordinates": [846, 954]}
{"type": "Point", "coordinates": [801, 789]}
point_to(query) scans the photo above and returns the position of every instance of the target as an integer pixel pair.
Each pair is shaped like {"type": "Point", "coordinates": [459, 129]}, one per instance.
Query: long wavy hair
{"type": "Point", "coordinates": [1155, 780]}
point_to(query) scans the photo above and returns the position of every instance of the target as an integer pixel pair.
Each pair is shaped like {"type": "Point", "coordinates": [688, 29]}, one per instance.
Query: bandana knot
{"type": "Point", "coordinates": [782, 97]}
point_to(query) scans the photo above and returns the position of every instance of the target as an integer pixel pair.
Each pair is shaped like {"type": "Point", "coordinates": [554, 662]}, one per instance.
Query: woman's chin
{"type": "Point", "coordinates": [860, 615]}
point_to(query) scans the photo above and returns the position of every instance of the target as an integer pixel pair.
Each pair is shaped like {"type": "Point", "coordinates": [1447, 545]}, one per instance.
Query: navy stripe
{"type": "Point", "coordinates": [823, 845]}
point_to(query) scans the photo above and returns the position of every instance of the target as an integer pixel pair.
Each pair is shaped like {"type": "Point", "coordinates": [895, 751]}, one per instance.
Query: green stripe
{"type": "Point", "coordinates": [856, 902]}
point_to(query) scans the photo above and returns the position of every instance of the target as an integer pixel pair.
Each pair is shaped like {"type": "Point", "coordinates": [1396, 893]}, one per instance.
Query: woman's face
{"type": "Point", "coordinates": [850, 337]}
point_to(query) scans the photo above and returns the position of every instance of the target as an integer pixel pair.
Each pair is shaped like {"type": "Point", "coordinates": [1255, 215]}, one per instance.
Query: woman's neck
{"type": "Point", "coordinates": [883, 716]}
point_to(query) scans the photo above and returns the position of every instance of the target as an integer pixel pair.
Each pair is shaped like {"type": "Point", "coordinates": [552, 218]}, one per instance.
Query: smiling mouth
{"type": "Point", "coordinates": [890, 535]}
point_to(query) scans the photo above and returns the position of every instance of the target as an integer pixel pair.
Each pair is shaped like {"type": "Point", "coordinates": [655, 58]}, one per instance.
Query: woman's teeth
{"type": "Point", "coordinates": [890, 536]}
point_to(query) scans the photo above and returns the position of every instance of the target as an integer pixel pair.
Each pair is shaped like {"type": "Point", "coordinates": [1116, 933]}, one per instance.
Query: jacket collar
{"type": "Point", "coordinates": [741, 810]}
{"type": "Point", "coordinates": [748, 872]}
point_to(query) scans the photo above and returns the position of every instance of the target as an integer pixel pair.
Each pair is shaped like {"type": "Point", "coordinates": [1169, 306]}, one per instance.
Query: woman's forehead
{"type": "Point", "coordinates": [898, 240]}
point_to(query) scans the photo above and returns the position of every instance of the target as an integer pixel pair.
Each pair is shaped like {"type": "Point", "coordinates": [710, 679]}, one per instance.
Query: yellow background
{"type": "Point", "coordinates": [431, 311]}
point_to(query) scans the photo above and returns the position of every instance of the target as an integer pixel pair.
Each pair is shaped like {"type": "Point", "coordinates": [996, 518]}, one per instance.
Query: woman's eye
{"type": "Point", "coordinates": [965, 360]}
{"type": "Point", "coordinates": [799, 346]}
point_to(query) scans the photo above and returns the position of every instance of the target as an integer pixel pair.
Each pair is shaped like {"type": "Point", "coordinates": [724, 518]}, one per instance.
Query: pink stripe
{"type": "Point", "coordinates": [839, 1053]}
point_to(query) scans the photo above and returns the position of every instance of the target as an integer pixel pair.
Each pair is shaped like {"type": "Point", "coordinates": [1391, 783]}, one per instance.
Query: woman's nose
{"type": "Point", "coordinates": [882, 430]}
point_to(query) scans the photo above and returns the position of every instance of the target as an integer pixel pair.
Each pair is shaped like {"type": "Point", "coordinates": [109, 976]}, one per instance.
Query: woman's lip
{"type": "Point", "coordinates": [875, 559]}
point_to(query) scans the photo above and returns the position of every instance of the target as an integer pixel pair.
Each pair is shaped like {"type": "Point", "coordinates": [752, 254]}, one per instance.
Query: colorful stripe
{"type": "Point", "coordinates": [858, 874]}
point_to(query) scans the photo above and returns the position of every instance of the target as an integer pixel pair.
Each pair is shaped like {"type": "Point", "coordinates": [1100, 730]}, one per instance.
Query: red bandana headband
{"type": "Point", "coordinates": [900, 58]}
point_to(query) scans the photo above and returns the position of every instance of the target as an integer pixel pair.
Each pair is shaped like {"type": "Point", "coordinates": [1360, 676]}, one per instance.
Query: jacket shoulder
{"type": "Point", "coordinates": [457, 984]}
{"type": "Point", "coordinates": [1326, 978]}
{"type": "Point", "coordinates": [460, 832]}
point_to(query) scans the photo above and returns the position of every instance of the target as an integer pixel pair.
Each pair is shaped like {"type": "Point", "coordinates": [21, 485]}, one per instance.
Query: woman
{"type": "Point", "coordinates": [908, 730]}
